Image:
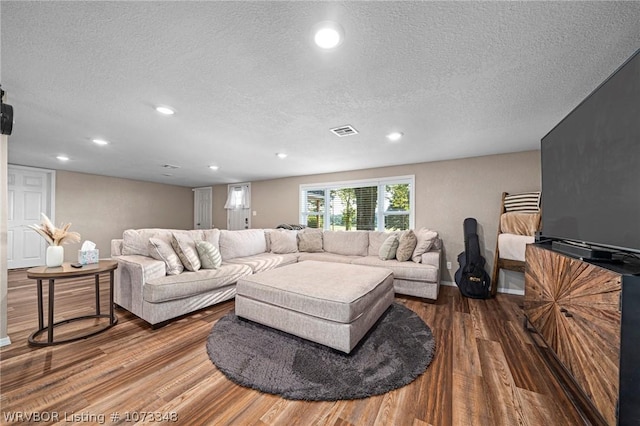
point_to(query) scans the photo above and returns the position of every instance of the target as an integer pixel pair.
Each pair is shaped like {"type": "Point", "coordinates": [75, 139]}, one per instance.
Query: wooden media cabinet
{"type": "Point", "coordinates": [585, 320]}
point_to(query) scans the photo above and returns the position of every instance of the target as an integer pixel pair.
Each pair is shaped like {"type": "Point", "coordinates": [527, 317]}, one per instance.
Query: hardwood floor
{"type": "Point", "coordinates": [485, 371]}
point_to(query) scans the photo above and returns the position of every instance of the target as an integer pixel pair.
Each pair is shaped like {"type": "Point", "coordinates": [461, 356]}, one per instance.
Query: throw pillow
{"type": "Point", "coordinates": [161, 250]}
{"type": "Point", "coordinates": [283, 241]}
{"type": "Point", "coordinates": [209, 255]}
{"type": "Point", "coordinates": [427, 239]}
{"type": "Point", "coordinates": [310, 240]}
{"type": "Point", "coordinates": [185, 248]}
{"type": "Point", "coordinates": [389, 248]}
{"type": "Point", "coordinates": [406, 246]}
{"type": "Point", "coordinates": [528, 202]}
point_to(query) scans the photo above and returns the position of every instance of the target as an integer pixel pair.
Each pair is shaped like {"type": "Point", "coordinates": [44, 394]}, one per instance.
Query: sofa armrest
{"type": "Point", "coordinates": [432, 258]}
{"type": "Point", "coordinates": [132, 274]}
{"type": "Point", "coordinates": [116, 247]}
{"type": "Point", "coordinates": [147, 268]}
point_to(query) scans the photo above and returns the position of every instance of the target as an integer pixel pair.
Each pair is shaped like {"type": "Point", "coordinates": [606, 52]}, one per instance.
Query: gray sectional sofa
{"type": "Point", "coordinates": [153, 288]}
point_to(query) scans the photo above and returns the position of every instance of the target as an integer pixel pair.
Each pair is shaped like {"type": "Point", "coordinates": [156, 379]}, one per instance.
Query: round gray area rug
{"type": "Point", "coordinates": [397, 349]}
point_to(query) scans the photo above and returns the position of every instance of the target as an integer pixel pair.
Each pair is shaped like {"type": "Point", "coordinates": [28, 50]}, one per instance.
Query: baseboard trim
{"type": "Point", "coordinates": [5, 341]}
{"type": "Point", "coordinates": [515, 291]}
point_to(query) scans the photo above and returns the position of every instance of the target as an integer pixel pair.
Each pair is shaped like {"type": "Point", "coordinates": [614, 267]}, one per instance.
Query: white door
{"type": "Point", "coordinates": [30, 192]}
{"type": "Point", "coordinates": [202, 208]}
{"type": "Point", "coordinates": [239, 206]}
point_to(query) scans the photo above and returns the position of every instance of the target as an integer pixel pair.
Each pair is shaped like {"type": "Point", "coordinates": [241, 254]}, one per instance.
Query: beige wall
{"type": "Point", "coordinates": [447, 192]}
{"type": "Point", "coordinates": [100, 208]}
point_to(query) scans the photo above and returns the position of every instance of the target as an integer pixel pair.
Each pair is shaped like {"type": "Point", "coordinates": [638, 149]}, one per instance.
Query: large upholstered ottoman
{"type": "Point", "coordinates": [333, 304]}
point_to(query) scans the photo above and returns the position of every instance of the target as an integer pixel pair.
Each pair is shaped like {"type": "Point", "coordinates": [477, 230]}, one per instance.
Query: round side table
{"type": "Point", "coordinates": [41, 273]}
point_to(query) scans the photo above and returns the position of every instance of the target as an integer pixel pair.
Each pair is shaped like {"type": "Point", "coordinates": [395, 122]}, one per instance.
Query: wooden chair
{"type": "Point", "coordinates": [498, 261]}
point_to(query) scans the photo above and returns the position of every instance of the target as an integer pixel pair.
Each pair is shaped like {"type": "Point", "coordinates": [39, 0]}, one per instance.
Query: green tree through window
{"type": "Point", "coordinates": [380, 204]}
{"type": "Point", "coordinates": [397, 197]}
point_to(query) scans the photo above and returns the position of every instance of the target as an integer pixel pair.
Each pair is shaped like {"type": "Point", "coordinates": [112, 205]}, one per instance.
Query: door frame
{"type": "Point", "coordinates": [51, 180]}
{"type": "Point", "coordinates": [208, 189]}
{"type": "Point", "coordinates": [232, 185]}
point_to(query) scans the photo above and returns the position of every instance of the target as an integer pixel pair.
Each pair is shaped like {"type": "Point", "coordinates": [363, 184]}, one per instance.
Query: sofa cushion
{"type": "Point", "coordinates": [310, 240]}
{"type": "Point", "coordinates": [242, 243]}
{"type": "Point", "coordinates": [195, 234]}
{"type": "Point", "coordinates": [212, 236]}
{"type": "Point", "coordinates": [283, 241]}
{"type": "Point", "coordinates": [172, 287]}
{"type": "Point", "coordinates": [389, 247]}
{"type": "Point", "coordinates": [376, 238]}
{"type": "Point", "coordinates": [326, 257]}
{"type": "Point", "coordinates": [348, 243]}
{"type": "Point", "coordinates": [185, 248]}
{"type": "Point", "coordinates": [265, 261]}
{"type": "Point", "coordinates": [406, 246]}
{"type": "Point", "coordinates": [161, 250]}
{"type": "Point", "coordinates": [136, 241]}
{"type": "Point", "coordinates": [209, 255]}
{"type": "Point", "coordinates": [426, 239]}
{"type": "Point", "coordinates": [133, 243]}
{"type": "Point", "coordinates": [402, 270]}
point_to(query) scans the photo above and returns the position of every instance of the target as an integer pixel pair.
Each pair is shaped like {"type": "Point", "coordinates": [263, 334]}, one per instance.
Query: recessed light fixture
{"type": "Point", "coordinates": [281, 155]}
{"type": "Point", "coordinates": [327, 35]}
{"type": "Point", "coordinates": [165, 110]}
{"type": "Point", "coordinates": [214, 167]}
{"type": "Point", "coordinates": [395, 136]}
{"type": "Point", "coordinates": [62, 158]}
{"type": "Point", "coordinates": [100, 141]}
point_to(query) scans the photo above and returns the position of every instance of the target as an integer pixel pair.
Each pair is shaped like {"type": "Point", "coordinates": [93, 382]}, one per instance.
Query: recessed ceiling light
{"type": "Point", "coordinates": [100, 141]}
{"type": "Point", "coordinates": [328, 35]}
{"type": "Point", "coordinates": [281, 155]}
{"type": "Point", "coordinates": [214, 167]}
{"type": "Point", "coordinates": [395, 136]}
{"type": "Point", "coordinates": [62, 158]}
{"type": "Point", "coordinates": [165, 110]}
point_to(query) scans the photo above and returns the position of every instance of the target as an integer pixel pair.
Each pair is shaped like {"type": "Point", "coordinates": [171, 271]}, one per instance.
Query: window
{"type": "Point", "coordinates": [373, 204]}
{"type": "Point", "coordinates": [239, 197]}
{"type": "Point", "coordinates": [314, 212]}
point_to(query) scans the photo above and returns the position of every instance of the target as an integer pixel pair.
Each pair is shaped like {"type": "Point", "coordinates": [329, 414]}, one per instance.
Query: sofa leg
{"type": "Point", "coordinates": [160, 324]}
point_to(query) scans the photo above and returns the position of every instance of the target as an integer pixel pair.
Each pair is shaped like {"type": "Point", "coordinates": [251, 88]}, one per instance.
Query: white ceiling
{"type": "Point", "coordinates": [459, 79]}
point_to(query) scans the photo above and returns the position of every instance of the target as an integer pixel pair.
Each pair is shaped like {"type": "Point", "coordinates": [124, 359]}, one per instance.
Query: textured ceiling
{"type": "Point", "coordinates": [459, 79]}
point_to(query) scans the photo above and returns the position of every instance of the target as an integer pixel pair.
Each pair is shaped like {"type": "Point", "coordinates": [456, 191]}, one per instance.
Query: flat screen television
{"type": "Point", "coordinates": [591, 167]}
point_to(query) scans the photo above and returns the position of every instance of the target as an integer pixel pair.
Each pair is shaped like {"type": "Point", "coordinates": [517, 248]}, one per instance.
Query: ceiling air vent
{"type": "Point", "coordinates": [346, 130]}
{"type": "Point", "coordinates": [170, 166]}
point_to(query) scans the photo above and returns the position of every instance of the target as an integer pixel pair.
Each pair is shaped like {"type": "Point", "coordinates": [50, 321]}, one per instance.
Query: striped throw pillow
{"type": "Point", "coordinates": [209, 255]}
{"type": "Point", "coordinates": [185, 248]}
{"type": "Point", "coordinates": [161, 250]}
{"type": "Point", "coordinates": [525, 202]}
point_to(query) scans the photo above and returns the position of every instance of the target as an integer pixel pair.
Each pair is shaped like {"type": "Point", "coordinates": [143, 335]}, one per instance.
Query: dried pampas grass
{"type": "Point", "coordinates": [55, 236]}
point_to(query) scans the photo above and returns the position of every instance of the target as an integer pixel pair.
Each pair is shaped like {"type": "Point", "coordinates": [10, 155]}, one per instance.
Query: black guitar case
{"type": "Point", "coordinates": [471, 278]}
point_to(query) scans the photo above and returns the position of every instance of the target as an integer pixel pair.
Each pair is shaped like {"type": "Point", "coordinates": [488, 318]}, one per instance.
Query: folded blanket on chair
{"type": "Point", "coordinates": [519, 223]}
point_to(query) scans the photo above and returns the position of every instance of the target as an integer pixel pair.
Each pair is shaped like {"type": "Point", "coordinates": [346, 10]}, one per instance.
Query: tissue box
{"type": "Point", "coordinates": [87, 257]}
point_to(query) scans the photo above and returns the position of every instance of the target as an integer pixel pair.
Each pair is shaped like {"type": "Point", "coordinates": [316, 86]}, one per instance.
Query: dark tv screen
{"type": "Point", "coordinates": [591, 167]}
